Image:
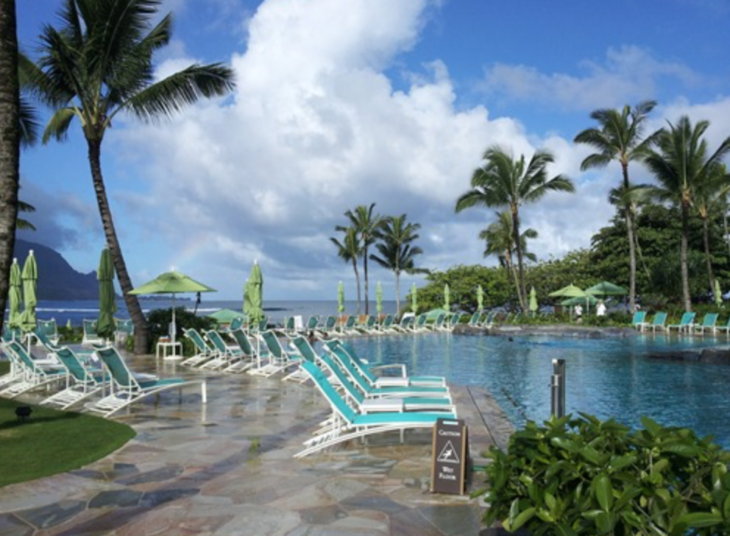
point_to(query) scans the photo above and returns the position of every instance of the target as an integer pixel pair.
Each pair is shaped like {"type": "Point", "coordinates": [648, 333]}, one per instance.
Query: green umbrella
{"type": "Point", "coordinates": [433, 314]}
{"type": "Point", "coordinates": [571, 291]}
{"type": "Point", "coordinates": [172, 283]}
{"type": "Point", "coordinates": [447, 297]}
{"type": "Point", "coordinates": [718, 294]}
{"type": "Point", "coordinates": [30, 279]}
{"type": "Point", "coordinates": [256, 294]}
{"type": "Point", "coordinates": [68, 324]}
{"type": "Point", "coordinates": [107, 307]}
{"type": "Point", "coordinates": [414, 299]}
{"type": "Point", "coordinates": [340, 298]}
{"type": "Point", "coordinates": [379, 299]}
{"type": "Point", "coordinates": [480, 298]}
{"type": "Point", "coordinates": [533, 300]}
{"type": "Point", "coordinates": [14, 296]}
{"type": "Point", "coordinates": [225, 316]}
{"type": "Point", "coordinates": [605, 288]}
{"type": "Point", "coordinates": [247, 299]}
{"type": "Point", "coordinates": [582, 300]}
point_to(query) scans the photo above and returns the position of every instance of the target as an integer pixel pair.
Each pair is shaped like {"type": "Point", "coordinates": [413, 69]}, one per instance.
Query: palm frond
{"type": "Point", "coordinates": [58, 124]}
{"type": "Point", "coordinates": [29, 125]}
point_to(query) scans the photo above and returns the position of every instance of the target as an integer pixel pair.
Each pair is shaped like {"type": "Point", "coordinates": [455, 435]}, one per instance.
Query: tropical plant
{"type": "Point", "coordinates": [682, 165]}
{"type": "Point", "coordinates": [396, 252]}
{"type": "Point", "coordinates": [619, 137]}
{"type": "Point", "coordinates": [349, 250]}
{"type": "Point", "coordinates": [366, 224]}
{"type": "Point", "coordinates": [507, 182]}
{"type": "Point", "coordinates": [499, 238]}
{"type": "Point", "coordinates": [582, 476]}
{"type": "Point", "coordinates": [97, 65]}
{"type": "Point", "coordinates": [22, 222]}
{"type": "Point", "coordinates": [9, 143]}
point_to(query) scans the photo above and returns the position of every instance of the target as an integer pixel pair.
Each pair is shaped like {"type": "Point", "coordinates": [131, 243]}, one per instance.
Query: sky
{"type": "Point", "coordinates": [340, 103]}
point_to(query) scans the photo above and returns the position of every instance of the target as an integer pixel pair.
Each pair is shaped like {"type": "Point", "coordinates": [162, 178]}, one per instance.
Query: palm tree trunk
{"type": "Point", "coordinates": [511, 270]}
{"type": "Point", "coordinates": [727, 233]}
{"type": "Point", "coordinates": [683, 258]}
{"type": "Point", "coordinates": [632, 245]}
{"type": "Point", "coordinates": [357, 280]}
{"type": "Point", "coordinates": [141, 330]}
{"type": "Point", "coordinates": [397, 292]}
{"type": "Point", "coordinates": [521, 290]}
{"type": "Point", "coordinates": [708, 255]}
{"type": "Point", "coordinates": [9, 143]}
{"type": "Point", "coordinates": [365, 273]}
{"type": "Point", "coordinates": [639, 251]}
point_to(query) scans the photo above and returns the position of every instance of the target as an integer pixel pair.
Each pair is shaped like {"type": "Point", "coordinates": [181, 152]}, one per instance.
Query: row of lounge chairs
{"type": "Point", "coordinates": [686, 324]}
{"type": "Point", "coordinates": [369, 325]}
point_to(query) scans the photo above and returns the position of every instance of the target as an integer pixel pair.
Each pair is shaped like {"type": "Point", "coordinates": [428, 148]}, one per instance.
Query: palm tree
{"type": "Point", "coordinates": [366, 223]}
{"type": "Point", "coordinates": [9, 142]}
{"type": "Point", "coordinates": [682, 164]}
{"type": "Point", "coordinates": [619, 137]}
{"type": "Point", "coordinates": [99, 64]}
{"type": "Point", "coordinates": [507, 182]}
{"type": "Point", "coordinates": [396, 250]}
{"type": "Point", "coordinates": [349, 250]}
{"type": "Point", "coordinates": [499, 238]}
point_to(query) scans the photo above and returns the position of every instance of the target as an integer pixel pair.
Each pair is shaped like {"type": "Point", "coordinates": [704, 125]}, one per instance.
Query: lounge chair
{"type": "Point", "coordinates": [454, 321]}
{"type": "Point", "coordinates": [329, 327]}
{"type": "Point", "coordinates": [128, 389]}
{"type": "Point", "coordinates": [32, 373]}
{"type": "Point", "coordinates": [278, 359]}
{"type": "Point", "coordinates": [386, 327]}
{"type": "Point", "coordinates": [474, 320]}
{"type": "Point", "coordinates": [660, 319]}
{"type": "Point", "coordinates": [204, 351]}
{"type": "Point", "coordinates": [439, 324]}
{"type": "Point", "coordinates": [49, 329]}
{"type": "Point", "coordinates": [405, 325]}
{"type": "Point", "coordinates": [82, 382]}
{"type": "Point", "coordinates": [90, 336]}
{"type": "Point", "coordinates": [639, 320]}
{"type": "Point", "coordinates": [349, 327]}
{"type": "Point", "coordinates": [225, 355]}
{"type": "Point", "coordinates": [125, 328]}
{"type": "Point", "coordinates": [685, 323]}
{"type": "Point", "coordinates": [247, 355]}
{"type": "Point", "coordinates": [348, 424]}
{"type": "Point", "coordinates": [725, 328]}
{"type": "Point", "coordinates": [289, 325]}
{"type": "Point", "coordinates": [419, 324]}
{"type": "Point", "coordinates": [370, 326]}
{"type": "Point", "coordinates": [488, 321]}
{"type": "Point", "coordinates": [709, 323]}
{"type": "Point", "coordinates": [312, 324]}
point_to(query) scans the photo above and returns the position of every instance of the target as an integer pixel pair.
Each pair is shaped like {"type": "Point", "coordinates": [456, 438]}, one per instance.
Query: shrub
{"type": "Point", "coordinates": [160, 319]}
{"type": "Point", "coordinates": [70, 335]}
{"type": "Point", "coordinates": [582, 476]}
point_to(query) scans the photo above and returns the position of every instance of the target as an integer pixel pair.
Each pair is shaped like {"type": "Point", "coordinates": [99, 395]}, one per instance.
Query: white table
{"type": "Point", "coordinates": [174, 349]}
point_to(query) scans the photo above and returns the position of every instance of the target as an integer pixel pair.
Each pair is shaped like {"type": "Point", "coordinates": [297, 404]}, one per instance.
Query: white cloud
{"type": "Point", "coordinates": [628, 74]}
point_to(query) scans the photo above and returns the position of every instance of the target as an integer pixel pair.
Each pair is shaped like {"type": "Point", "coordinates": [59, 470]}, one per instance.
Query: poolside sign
{"type": "Point", "coordinates": [448, 473]}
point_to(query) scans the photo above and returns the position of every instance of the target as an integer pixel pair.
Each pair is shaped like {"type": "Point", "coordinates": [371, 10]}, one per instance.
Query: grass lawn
{"type": "Point", "coordinates": [53, 441]}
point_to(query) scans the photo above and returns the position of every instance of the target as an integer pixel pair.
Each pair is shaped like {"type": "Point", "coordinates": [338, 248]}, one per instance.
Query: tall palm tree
{"type": "Point", "coordinates": [349, 250]}
{"type": "Point", "coordinates": [366, 223]}
{"type": "Point", "coordinates": [396, 252]}
{"type": "Point", "coordinates": [499, 238]}
{"type": "Point", "coordinates": [619, 137]}
{"type": "Point", "coordinates": [682, 164]}
{"type": "Point", "coordinates": [99, 64]}
{"type": "Point", "coordinates": [504, 181]}
{"type": "Point", "coordinates": [9, 143]}
{"type": "Point", "coordinates": [708, 199]}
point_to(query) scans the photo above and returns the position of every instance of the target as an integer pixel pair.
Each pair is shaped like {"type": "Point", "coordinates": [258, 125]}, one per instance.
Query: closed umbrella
{"type": "Point", "coordinates": [340, 298]}
{"type": "Point", "coordinates": [480, 298]}
{"type": "Point", "coordinates": [379, 299]}
{"type": "Point", "coordinates": [447, 297]}
{"type": "Point", "coordinates": [718, 294]}
{"type": "Point", "coordinates": [107, 305]}
{"type": "Point", "coordinates": [14, 296]}
{"type": "Point", "coordinates": [172, 283]}
{"type": "Point", "coordinates": [414, 299]}
{"type": "Point", "coordinates": [30, 279]}
{"type": "Point", "coordinates": [533, 301]}
{"type": "Point", "coordinates": [256, 294]}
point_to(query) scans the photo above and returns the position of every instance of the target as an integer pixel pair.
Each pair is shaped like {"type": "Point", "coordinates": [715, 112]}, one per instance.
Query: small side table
{"type": "Point", "coordinates": [173, 348]}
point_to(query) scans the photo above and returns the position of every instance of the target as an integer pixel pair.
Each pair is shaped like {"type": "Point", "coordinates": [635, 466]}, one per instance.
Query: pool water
{"type": "Point", "coordinates": [608, 377]}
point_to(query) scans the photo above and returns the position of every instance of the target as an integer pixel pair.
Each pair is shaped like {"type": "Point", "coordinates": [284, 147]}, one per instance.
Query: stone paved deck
{"type": "Point", "coordinates": [226, 468]}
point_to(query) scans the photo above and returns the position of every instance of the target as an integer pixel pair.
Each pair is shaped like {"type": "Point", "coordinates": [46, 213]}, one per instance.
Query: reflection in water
{"type": "Point", "coordinates": [611, 377]}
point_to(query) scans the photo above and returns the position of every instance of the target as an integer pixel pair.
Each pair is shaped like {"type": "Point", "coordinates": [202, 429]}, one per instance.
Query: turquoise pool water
{"type": "Point", "coordinates": [610, 377]}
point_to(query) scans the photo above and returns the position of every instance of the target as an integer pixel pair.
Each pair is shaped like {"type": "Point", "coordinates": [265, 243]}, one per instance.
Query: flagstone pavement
{"type": "Point", "coordinates": [226, 468]}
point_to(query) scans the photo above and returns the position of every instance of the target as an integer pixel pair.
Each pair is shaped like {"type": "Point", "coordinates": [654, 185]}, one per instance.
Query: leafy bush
{"type": "Point", "coordinates": [160, 319]}
{"type": "Point", "coordinates": [70, 335]}
{"type": "Point", "coordinates": [582, 476]}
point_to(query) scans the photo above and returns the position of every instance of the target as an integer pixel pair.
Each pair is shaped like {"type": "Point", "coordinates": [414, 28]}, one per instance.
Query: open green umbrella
{"type": "Point", "coordinates": [340, 298]}
{"type": "Point", "coordinates": [582, 300]}
{"type": "Point", "coordinates": [14, 296]}
{"type": "Point", "coordinates": [107, 305]}
{"type": "Point", "coordinates": [172, 283]}
{"type": "Point", "coordinates": [30, 279]}
{"type": "Point", "coordinates": [606, 288]}
{"type": "Point", "coordinates": [480, 298]}
{"type": "Point", "coordinates": [225, 316]}
{"type": "Point", "coordinates": [447, 297]}
{"type": "Point", "coordinates": [571, 291]}
{"type": "Point", "coordinates": [533, 301]}
{"type": "Point", "coordinates": [414, 299]}
{"type": "Point", "coordinates": [379, 299]}
{"type": "Point", "coordinates": [256, 294]}
{"type": "Point", "coordinates": [718, 294]}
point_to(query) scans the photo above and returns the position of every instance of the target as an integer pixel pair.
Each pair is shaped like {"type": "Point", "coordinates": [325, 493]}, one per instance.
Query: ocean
{"type": "Point", "coordinates": [77, 310]}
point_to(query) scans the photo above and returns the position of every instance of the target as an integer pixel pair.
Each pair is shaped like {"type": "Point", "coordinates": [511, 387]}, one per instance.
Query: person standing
{"type": "Point", "coordinates": [601, 308]}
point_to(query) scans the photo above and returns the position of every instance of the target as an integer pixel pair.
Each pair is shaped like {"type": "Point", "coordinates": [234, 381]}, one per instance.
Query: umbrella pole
{"type": "Point", "coordinates": [174, 327]}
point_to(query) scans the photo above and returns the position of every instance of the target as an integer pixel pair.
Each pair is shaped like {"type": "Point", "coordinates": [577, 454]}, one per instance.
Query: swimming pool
{"type": "Point", "coordinates": [607, 377]}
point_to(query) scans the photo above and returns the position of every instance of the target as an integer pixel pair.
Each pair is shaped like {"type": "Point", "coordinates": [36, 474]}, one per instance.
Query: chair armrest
{"type": "Point", "coordinates": [401, 366]}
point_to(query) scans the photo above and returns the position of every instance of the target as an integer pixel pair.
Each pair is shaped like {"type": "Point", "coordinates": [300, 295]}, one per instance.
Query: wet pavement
{"type": "Point", "coordinates": [227, 468]}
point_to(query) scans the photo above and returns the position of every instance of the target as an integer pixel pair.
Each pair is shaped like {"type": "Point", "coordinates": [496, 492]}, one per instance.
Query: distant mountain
{"type": "Point", "coordinates": [57, 280]}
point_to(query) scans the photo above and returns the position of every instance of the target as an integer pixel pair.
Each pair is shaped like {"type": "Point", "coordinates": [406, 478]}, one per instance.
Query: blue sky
{"type": "Point", "coordinates": [346, 102]}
